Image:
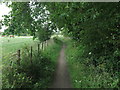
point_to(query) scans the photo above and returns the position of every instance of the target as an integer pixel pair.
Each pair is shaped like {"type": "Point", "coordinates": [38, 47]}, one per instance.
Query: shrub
{"type": "Point", "coordinates": [85, 74]}
{"type": "Point", "coordinates": [37, 74]}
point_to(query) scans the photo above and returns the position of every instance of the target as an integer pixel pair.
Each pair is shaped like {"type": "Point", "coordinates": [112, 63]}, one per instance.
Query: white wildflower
{"type": "Point", "coordinates": [89, 53]}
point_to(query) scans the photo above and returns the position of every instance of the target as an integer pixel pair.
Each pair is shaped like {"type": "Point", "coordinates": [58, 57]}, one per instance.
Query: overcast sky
{"type": "Point", "coordinates": [4, 10]}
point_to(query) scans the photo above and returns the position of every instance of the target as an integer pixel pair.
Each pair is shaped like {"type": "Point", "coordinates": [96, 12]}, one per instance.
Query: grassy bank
{"type": "Point", "coordinates": [35, 74]}
{"type": "Point", "coordinates": [86, 75]}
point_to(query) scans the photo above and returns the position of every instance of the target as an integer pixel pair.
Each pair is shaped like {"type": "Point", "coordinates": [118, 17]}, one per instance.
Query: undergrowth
{"type": "Point", "coordinates": [35, 74]}
{"type": "Point", "coordinates": [86, 75]}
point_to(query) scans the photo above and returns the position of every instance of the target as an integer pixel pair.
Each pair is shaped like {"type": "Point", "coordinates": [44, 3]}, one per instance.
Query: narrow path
{"type": "Point", "coordinates": [61, 79]}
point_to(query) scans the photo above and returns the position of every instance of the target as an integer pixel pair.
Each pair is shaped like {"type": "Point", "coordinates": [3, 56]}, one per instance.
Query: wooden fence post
{"type": "Point", "coordinates": [46, 43]}
{"type": "Point", "coordinates": [38, 48]}
{"type": "Point", "coordinates": [31, 55]}
{"type": "Point", "coordinates": [18, 52]}
{"type": "Point", "coordinates": [42, 45]}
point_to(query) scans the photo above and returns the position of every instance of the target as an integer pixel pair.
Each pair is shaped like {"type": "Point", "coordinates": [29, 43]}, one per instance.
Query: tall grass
{"type": "Point", "coordinates": [35, 74]}
{"type": "Point", "coordinates": [86, 75]}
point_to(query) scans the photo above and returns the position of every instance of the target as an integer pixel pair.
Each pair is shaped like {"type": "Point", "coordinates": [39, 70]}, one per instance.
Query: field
{"type": "Point", "coordinates": [11, 45]}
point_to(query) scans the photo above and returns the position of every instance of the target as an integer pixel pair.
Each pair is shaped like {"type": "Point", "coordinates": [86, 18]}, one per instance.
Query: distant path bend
{"type": "Point", "coordinates": [62, 78]}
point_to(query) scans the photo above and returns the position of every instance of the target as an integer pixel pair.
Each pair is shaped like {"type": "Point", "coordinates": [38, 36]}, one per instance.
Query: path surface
{"type": "Point", "coordinates": [61, 79]}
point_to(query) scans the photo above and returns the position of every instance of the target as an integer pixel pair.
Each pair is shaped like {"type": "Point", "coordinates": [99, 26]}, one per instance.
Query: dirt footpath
{"type": "Point", "coordinates": [62, 79]}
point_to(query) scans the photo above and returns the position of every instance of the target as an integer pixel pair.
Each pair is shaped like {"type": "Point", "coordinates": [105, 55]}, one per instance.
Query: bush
{"type": "Point", "coordinates": [86, 75]}
{"type": "Point", "coordinates": [37, 74]}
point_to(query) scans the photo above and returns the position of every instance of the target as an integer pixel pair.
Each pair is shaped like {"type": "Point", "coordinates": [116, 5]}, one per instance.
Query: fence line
{"type": "Point", "coordinates": [40, 46]}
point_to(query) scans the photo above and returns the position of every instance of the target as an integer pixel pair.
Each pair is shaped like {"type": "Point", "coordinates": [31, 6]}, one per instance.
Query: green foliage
{"type": "Point", "coordinates": [57, 40]}
{"type": "Point", "coordinates": [84, 74]}
{"type": "Point", "coordinates": [19, 20]}
{"type": "Point", "coordinates": [37, 74]}
{"type": "Point", "coordinates": [43, 34]}
{"type": "Point", "coordinates": [29, 18]}
{"type": "Point", "coordinates": [41, 68]}
{"type": "Point", "coordinates": [13, 79]}
{"type": "Point", "coordinates": [95, 26]}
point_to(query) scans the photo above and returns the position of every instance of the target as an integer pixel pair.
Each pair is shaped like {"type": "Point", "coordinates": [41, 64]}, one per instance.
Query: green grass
{"type": "Point", "coordinates": [55, 48]}
{"type": "Point", "coordinates": [38, 74]}
{"type": "Point", "coordinates": [52, 52]}
{"type": "Point", "coordinates": [14, 44]}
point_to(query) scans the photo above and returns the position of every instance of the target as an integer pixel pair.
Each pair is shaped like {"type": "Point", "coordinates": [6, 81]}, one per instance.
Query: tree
{"type": "Point", "coordinates": [19, 20]}
{"type": "Point", "coordinates": [94, 25]}
{"type": "Point", "coordinates": [30, 18]}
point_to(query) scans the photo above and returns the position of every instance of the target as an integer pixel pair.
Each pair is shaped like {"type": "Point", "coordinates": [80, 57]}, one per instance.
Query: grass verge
{"type": "Point", "coordinates": [84, 74]}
